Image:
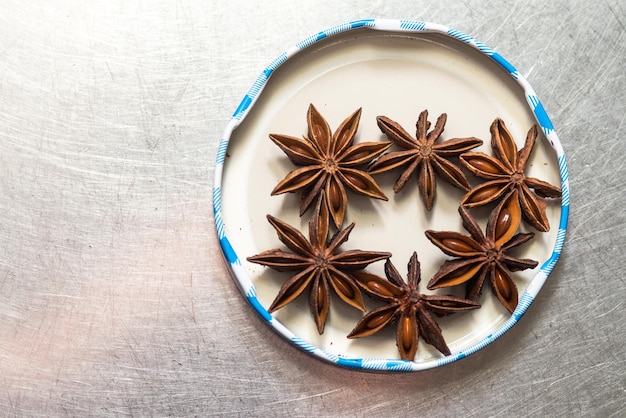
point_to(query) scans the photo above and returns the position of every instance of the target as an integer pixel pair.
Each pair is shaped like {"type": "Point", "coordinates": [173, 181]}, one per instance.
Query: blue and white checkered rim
{"type": "Point", "coordinates": [380, 364]}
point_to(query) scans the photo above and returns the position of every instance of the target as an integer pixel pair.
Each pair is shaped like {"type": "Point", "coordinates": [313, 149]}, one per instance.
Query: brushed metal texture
{"type": "Point", "coordinates": [114, 298]}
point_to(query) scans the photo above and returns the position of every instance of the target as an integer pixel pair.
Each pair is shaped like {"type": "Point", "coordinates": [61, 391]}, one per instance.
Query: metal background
{"type": "Point", "coordinates": [114, 298]}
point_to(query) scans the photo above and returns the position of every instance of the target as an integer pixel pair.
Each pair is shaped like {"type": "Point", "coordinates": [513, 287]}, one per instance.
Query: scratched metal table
{"type": "Point", "coordinates": [114, 298]}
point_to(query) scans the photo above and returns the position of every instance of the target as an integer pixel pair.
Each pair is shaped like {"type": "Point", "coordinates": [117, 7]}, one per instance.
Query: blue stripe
{"type": "Point", "coordinates": [306, 346]}
{"type": "Point", "coordinates": [481, 47]}
{"type": "Point", "coordinates": [360, 23]}
{"type": "Point", "coordinates": [564, 217]}
{"type": "Point", "coordinates": [219, 225]}
{"type": "Point", "coordinates": [217, 212]}
{"type": "Point", "coordinates": [257, 86]}
{"type": "Point", "coordinates": [321, 35]}
{"type": "Point", "coordinates": [267, 72]}
{"type": "Point", "coordinates": [522, 306]}
{"type": "Point", "coordinates": [228, 251]}
{"type": "Point", "coordinates": [385, 364]}
{"type": "Point", "coordinates": [412, 25]}
{"type": "Point", "coordinates": [459, 35]}
{"type": "Point", "coordinates": [217, 200]}
{"type": "Point", "coordinates": [503, 63]}
{"type": "Point", "coordinates": [332, 357]}
{"type": "Point", "coordinates": [275, 64]}
{"type": "Point", "coordinates": [451, 359]}
{"type": "Point", "coordinates": [398, 365]}
{"type": "Point", "coordinates": [333, 30]}
{"type": "Point", "coordinates": [542, 118]}
{"type": "Point", "coordinates": [563, 168]}
{"type": "Point", "coordinates": [549, 264]}
{"type": "Point", "coordinates": [338, 29]}
{"type": "Point", "coordinates": [305, 43]}
{"type": "Point", "coordinates": [484, 48]}
{"type": "Point", "coordinates": [565, 194]}
{"type": "Point", "coordinates": [245, 103]}
{"type": "Point", "coordinates": [505, 327]}
{"type": "Point", "coordinates": [353, 363]}
{"type": "Point", "coordinates": [221, 151]}
{"type": "Point", "coordinates": [251, 296]}
{"type": "Point", "coordinates": [560, 239]}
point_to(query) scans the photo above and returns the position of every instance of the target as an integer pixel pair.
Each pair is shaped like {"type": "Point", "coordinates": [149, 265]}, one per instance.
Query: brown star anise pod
{"type": "Point", "coordinates": [423, 155]}
{"type": "Point", "coordinates": [484, 256]}
{"type": "Point", "coordinates": [318, 264]}
{"type": "Point", "coordinates": [505, 173]}
{"type": "Point", "coordinates": [408, 307]}
{"type": "Point", "coordinates": [329, 162]}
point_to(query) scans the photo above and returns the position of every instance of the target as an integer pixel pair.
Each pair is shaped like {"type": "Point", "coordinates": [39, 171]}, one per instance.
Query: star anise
{"type": "Point", "coordinates": [423, 155]}
{"type": "Point", "coordinates": [412, 310]}
{"type": "Point", "coordinates": [318, 264]}
{"type": "Point", "coordinates": [484, 256]}
{"type": "Point", "coordinates": [329, 163]}
{"type": "Point", "coordinates": [505, 173]}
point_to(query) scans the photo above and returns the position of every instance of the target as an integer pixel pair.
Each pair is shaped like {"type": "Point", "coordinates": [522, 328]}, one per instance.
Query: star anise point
{"type": "Point", "coordinates": [505, 173]}
{"type": "Point", "coordinates": [317, 263]}
{"type": "Point", "coordinates": [412, 311]}
{"type": "Point", "coordinates": [422, 155]}
{"type": "Point", "coordinates": [329, 163]}
{"type": "Point", "coordinates": [483, 257]}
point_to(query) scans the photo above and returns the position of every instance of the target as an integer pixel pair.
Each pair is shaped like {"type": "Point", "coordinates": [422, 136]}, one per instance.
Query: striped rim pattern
{"type": "Point", "coordinates": [241, 276]}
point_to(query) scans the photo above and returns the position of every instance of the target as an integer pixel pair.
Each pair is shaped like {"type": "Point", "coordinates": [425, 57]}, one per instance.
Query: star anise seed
{"type": "Point", "coordinates": [318, 264]}
{"type": "Point", "coordinates": [411, 310]}
{"type": "Point", "coordinates": [505, 172]}
{"type": "Point", "coordinates": [423, 155]}
{"type": "Point", "coordinates": [484, 256]}
{"type": "Point", "coordinates": [328, 163]}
